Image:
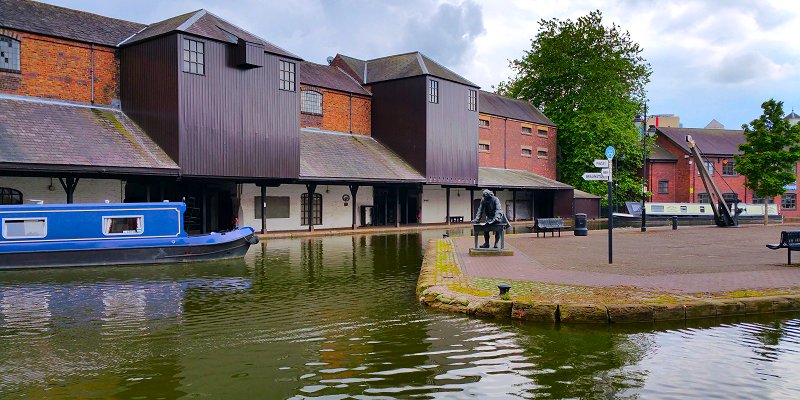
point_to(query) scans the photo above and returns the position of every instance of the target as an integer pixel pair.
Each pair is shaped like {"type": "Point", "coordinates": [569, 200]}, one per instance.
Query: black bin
{"type": "Point", "coordinates": [581, 225]}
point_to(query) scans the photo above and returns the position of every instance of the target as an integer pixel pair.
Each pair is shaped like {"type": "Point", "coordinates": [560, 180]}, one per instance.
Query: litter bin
{"type": "Point", "coordinates": [580, 225]}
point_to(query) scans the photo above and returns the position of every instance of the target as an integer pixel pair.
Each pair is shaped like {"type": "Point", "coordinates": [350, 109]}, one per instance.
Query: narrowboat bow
{"type": "Point", "coordinates": [65, 235]}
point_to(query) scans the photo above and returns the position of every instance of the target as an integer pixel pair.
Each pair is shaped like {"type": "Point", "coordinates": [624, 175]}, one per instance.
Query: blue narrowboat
{"type": "Point", "coordinates": [64, 235]}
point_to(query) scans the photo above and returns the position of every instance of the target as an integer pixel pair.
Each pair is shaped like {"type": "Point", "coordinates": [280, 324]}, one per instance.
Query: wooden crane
{"type": "Point", "coordinates": [722, 214]}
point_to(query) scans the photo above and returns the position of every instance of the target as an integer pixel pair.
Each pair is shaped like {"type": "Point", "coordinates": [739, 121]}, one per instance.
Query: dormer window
{"type": "Point", "coordinates": [9, 54]}
{"type": "Point", "coordinates": [433, 91]}
{"type": "Point", "coordinates": [311, 102]}
{"type": "Point", "coordinates": [286, 75]}
{"type": "Point", "coordinates": [194, 57]}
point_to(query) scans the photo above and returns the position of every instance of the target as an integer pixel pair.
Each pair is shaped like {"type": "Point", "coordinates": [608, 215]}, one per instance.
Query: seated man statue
{"type": "Point", "coordinates": [490, 206]}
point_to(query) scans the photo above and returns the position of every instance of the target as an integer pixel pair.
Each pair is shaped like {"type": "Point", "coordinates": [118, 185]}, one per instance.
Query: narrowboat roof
{"type": "Point", "coordinates": [90, 206]}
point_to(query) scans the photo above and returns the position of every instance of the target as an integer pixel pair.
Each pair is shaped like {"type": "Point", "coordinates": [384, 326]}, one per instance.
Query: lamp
{"type": "Point", "coordinates": [651, 131]}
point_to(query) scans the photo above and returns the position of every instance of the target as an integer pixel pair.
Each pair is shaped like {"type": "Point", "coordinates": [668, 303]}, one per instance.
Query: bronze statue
{"type": "Point", "coordinates": [491, 207]}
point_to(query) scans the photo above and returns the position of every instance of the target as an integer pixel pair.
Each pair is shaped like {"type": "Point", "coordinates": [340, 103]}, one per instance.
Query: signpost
{"type": "Point", "coordinates": [606, 175]}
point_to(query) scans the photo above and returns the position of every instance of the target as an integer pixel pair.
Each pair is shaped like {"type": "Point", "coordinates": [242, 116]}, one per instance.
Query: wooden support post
{"type": "Point", "coordinates": [147, 192]}
{"type": "Point", "coordinates": [263, 209]}
{"type": "Point", "coordinates": [203, 209]}
{"type": "Point", "coordinates": [311, 188]}
{"type": "Point", "coordinates": [447, 196]}
{"type": "Point", "coordinates": [69, 187]}
{"type": "Point", "coordinates": [353, 194]}
{"type": "Point", "coordinates": [397, 207]}
{"type": "Point", "coordinates": [161, 190]}
{"type": "Point", "coordinates": [471, 203]}
{"type": "Point", "coordinates": [514, 204]}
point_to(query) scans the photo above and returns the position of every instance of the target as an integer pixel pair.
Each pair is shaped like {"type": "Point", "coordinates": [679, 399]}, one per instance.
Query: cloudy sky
{"type": "Point", "coordinates": [710, 59]}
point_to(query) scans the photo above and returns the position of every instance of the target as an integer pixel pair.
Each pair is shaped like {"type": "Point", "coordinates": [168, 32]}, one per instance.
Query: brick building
{"type": "Point", "coordinates": [194, 108]}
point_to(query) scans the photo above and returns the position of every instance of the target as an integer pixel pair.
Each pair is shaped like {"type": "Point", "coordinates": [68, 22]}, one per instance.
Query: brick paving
{"type": "Point", "coordinates": [689, 260]}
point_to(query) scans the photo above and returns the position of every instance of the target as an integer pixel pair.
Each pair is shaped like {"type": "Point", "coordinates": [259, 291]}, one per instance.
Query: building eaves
{"type": "Point", "coordinates": [501, 178]}
{"type": "Point", "coordinates": [330, 77]}
{"type": "Point", "coordinates": [507, 107]}
{"type": "Point", "coordinates": [712, 142]}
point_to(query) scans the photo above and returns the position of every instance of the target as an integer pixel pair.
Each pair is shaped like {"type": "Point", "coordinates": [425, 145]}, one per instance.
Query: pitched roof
{"type": "Point", "coordinates": [714, 124]}
{"type": "Point", "coordinates": [502, 106]}
{"type": "Point", "coordinates": [515, 179]}
{"type": "Point", "coordinates": [328, 76]}
{"type": "Point", "coordinates": [401, 66]}
{"type": "Point", "coordinates": [37, 134]}
{"type": "Point", "coordinates": [658, 153]}
{"type": "Point", "coordinates": [792, 115]}
{"type": "Point", "coordinates": [717, 142]}
{"type": "Point", "coordinates": [336, 156]}
{"type": "Point", "coordinates": [205, 24]}
{"type": "Point", "coordinates": [46, 19]}
{"type": "Point", "coordinates": [580, 194]}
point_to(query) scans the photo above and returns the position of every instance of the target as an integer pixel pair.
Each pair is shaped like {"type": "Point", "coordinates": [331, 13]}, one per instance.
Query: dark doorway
{"type": "Point", "coordinates": [385, 201]}
{"type": "Point", "coordinates": [543, 202]}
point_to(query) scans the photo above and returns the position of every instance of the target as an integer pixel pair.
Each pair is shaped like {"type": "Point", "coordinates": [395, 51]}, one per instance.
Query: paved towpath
{"type": "Point", "coordinates": [688, 260]}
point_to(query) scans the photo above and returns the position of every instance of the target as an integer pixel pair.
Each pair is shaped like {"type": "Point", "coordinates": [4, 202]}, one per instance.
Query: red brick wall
{"type": "Point", "coordinates": [662, 170]}
{"type": "Point", "coordinates": [61, 69]}
{"type": "Point", "coordinates": [336, 112]}
{"type": "Point", "coordinates": [506, 141]}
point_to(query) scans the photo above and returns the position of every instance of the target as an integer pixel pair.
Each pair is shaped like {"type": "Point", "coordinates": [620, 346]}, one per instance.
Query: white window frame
{"type": "Point", "coordinates": [105, 233]}
{"type": "Point", "coordinates": [5, 230]}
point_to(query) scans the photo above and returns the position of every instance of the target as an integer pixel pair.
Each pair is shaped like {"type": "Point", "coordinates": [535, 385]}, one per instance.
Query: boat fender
{"type": "Point", "coordinates": [252, 239]}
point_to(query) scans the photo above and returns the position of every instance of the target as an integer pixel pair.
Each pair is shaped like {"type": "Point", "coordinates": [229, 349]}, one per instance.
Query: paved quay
{"type": "Point", "coordinates": [661, 274]}
{"type": "Point", "coordinates": [687, 260]}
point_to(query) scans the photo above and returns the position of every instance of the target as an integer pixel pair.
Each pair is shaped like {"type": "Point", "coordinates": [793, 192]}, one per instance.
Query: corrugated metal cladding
{"type": "Point", "coordinates": [149, 90]}
{"type": "Point", "coordinates": [236, 122]}
{"type": "Point", "coordinates": [398, 118]}
{"type": "Point", "coordinates": [452, 136]}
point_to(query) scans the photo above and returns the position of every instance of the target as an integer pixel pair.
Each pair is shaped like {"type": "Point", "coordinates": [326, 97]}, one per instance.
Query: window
{"type": "Point", "coordinates": [123, 225]}
{"type": "Point", "coordinates": [483, 123]}
{"type": "Point", "coordinates": [9, 54]}
{"type": "Point", "coordinates": [728, 167]}
{"type": "Point", "coordinates": [760, 200]}
{"type": "Point", "coordinates": [24, 228]}
{"type": "Point", "coordinates": [317, 218]}
{"type": "Point", "coordinates": [709, 167]}
{"type": "Point", "coordinates": [286, 74]}
{"type": "Point", "coordinates": [433, 91]}
{"type": "Point", "coordinates": [663, 186]}
{"type": "Point", "coordinates": [193, 56]}
{"type": "Point", "coordinates": [484, 147]}
{"type": "Point", "coordinates": [542, 132]}
{"type": "Point", "coordinates": [729, 197]}
{"type": "Point", "coordinates": [541, 153]}
{"type": "Point", "coordinates": [472, 100]}
{"type": "Point", "coordinates": [277, 207]}
{"type": "Point", "coordinates": [311, 102]}
{"type": "Point", "coordinates": [527, 130]}
{"type": "Point", "coordinates": [527, 151]}
{"type": "Point", "coordinates": [10, 196]}
{"type": "Point", "coordinates": [789, 201]}
{"type": "Point", "coordinates": [703, 198]}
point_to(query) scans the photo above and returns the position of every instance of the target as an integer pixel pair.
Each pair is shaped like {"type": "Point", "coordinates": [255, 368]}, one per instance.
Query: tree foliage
{"type": "Point", "coordinates": [771, 151]}
{"type": "Point", "coordinates": [589, 80]}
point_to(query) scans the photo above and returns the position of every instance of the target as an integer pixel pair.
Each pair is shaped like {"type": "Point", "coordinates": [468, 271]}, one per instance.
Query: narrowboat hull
{"type": "Point", "coordinates": [194, 248]}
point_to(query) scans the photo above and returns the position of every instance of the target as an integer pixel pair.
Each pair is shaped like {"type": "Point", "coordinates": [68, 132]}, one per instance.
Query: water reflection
{"type": "Point", "coordinates": [336, 317]}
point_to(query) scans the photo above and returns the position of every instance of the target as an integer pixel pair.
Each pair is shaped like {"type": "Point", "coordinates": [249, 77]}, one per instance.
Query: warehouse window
{"type": "Point", "coordinates": [728, 167]}
{"type": "Point", "coordinates": [193, 56]}
{"type": "Point", "coordinates": [527, 151]}
{"type": "Point", "coordinates": [311, 102]}
{"type": "Point", "coordinates": [663, 186]}
{"type": "Point", "coordinates": [760, 200]}
{"type": "Point", "coordinates": [433, 91]}
{"type": "Point", "coordinates": [542, 132]}
{"type": "Point", "coordinates": [789, 201]}
{"type": "Point", "coordinates": [527, 130]}
{"type": "Point", "coordinates": [277, 207]}
{"type": "Point", "coordinates": [286, 74]}
{"type": "Point", "coordinates": [317, 217]}
{"type": "Point", "coordinates": [9, 54]}
{"type": "Point", "coordinates": [10, 196]}
{"type": "Point", "coordinates": [483, 147]}
{"type": "Point", "coordinates": [483, 123]}
{"type": "Point", "coordinates": [703, 198]}
{"type": "Point", "coordinates": [472, 100]}
{"type": "Point", "coordinates": [541, 153]}
{"type": "Point", "coordinates": [709, 167]}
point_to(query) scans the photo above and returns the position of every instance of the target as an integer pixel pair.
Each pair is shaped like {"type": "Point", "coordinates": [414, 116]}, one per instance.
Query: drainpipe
{"type": "Point", "coordinates": [505, 143]}
{"type": "Point", "coordinates": [351, 112]}
{"type": "Point", "coordinates": [91, 51]}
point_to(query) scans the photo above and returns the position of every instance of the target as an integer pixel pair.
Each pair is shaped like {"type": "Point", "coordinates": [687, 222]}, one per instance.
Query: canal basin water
{"type": "Point", "coordinates": [337, 317]}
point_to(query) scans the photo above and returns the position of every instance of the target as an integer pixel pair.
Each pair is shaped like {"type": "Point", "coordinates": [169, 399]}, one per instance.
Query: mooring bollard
{"type": "Point", "coordinates": [504, 288]}
{"type": "Point", "coordinates": [674, 223]}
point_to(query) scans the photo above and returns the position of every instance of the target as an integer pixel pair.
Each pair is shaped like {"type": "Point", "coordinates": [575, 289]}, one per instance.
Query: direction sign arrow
{"type": "Point", "coordinates": [594, 176]}
{"type": "Point", "coordinates": [601, 163]}
{"type": "Point", "coordinates": [606, 172]}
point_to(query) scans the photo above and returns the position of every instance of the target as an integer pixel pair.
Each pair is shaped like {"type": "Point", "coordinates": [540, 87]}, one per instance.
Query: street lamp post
{"type": "Point", "coordinates": [641, 123]}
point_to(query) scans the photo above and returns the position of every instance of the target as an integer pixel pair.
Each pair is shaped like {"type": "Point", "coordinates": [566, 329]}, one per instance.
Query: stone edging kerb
{"type": "Point", "coordinates": [439, 270]}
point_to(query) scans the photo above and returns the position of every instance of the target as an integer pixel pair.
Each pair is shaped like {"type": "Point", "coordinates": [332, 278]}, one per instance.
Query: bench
{"type": "Point", "coordinates": [549, 224]}
{"type": "Point", "coordinates": [790, 240]}
{"type": "Point", "coordinates": [456, 219]}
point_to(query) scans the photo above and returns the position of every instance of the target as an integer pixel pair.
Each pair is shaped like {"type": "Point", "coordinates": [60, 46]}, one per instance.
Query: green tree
{"type": "Point", "coordinates": [770, 153]}
{"type": "Point", "coordinates": [589, 80]}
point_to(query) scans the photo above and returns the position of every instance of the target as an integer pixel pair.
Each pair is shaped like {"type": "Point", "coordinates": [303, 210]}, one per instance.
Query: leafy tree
{"type": "Point", "coordinates": [589, 80]}
{"type": "Point", "coordinates": [771, 151]}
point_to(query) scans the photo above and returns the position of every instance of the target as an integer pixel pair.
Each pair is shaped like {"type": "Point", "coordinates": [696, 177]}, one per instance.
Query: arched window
{"type": "Point", "coordinates": [9, 54]}
{"type": "Point", "coordinates": [311, 102]}
{"type": "Point", "coordinates": [10, 196]}
{"type": "Point", "coordinates": [317, 217]}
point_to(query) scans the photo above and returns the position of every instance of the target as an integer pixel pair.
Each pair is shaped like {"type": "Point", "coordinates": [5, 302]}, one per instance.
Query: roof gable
{"type": "Point", "coordinates": [328, 76]}
{"type": "Point", "coordinates": [400, 66]}
{"type": "Point", "coordinates": [718, 142]}
{"type": "Point", "coordinates": [46, 19]}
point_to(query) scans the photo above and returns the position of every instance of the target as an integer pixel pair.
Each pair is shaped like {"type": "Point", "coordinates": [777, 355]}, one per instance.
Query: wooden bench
{"type": "Point", "coordinates": [790, 240]}
{"type": "Point", "coordinates": [549, 224]}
